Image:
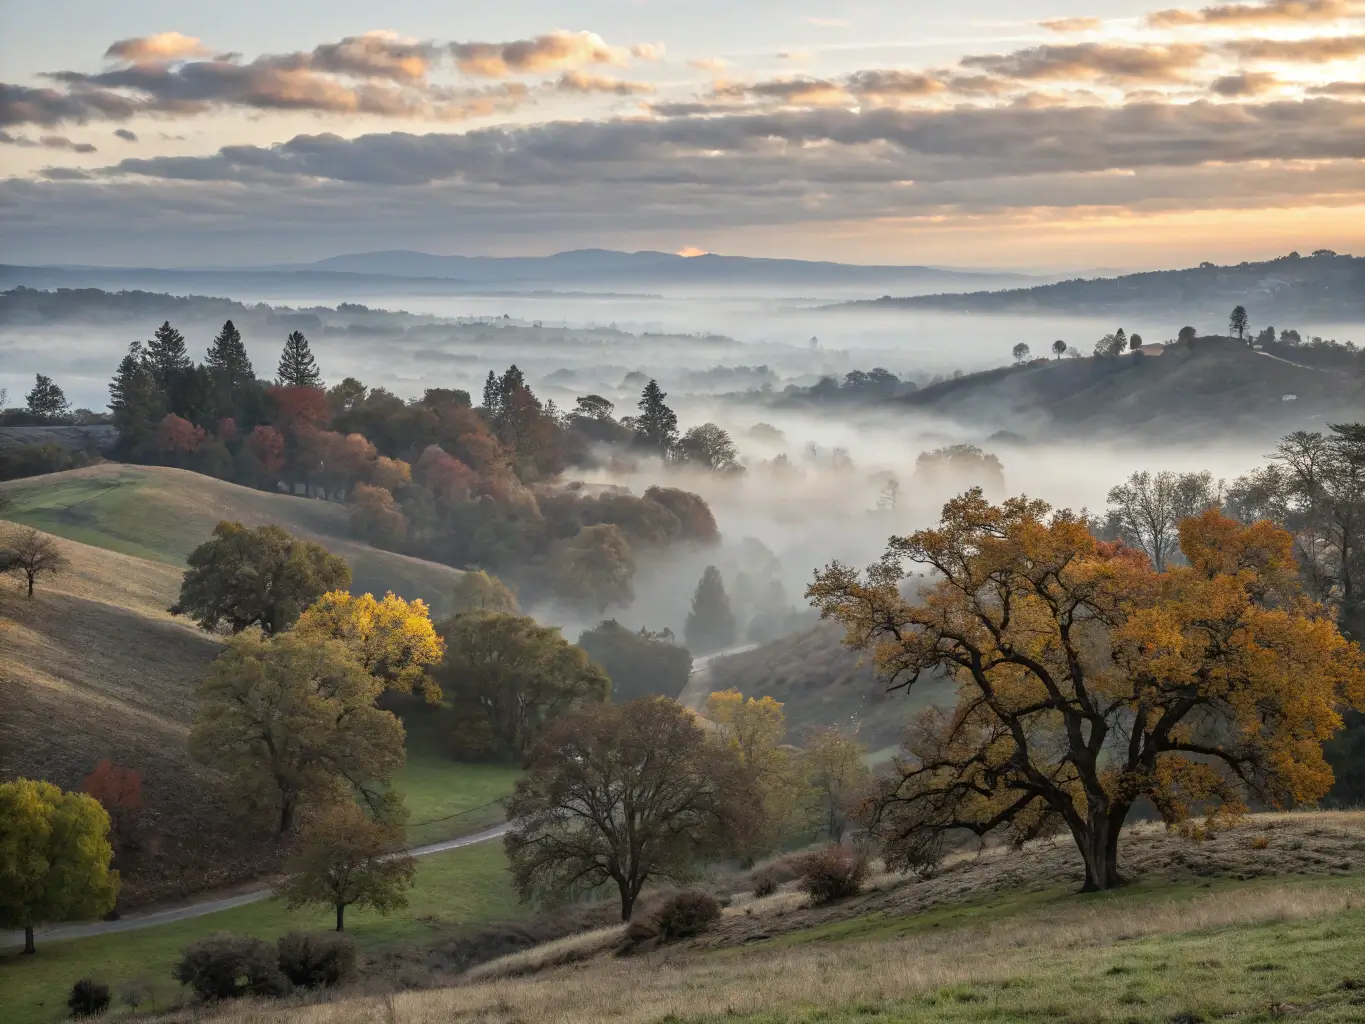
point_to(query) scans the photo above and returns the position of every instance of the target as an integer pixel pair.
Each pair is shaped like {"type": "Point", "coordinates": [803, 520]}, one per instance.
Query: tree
{"type": "Point", "coordinates": [291, 721]}
{"type": "Point", "coordinates": [1059, 348]}
{"type": "Point", "coordinates": [480, 591]}
{"type": "Point", "coordinates": [1021, 352]}
{"type": "Point", "coordinates": [46, 402]}
{"type": "Point", "coordinates": [256, 577]}
{"type": "Point", "coordinates": [1088, 681]}
{"type": "Point", "coordinates": [1111, 345]}
{"type": "Point", "coordinates": [640, 664]}
{"type": "Point", "coordinates": [709, 446]}
{"type": "Point", "coordinates": [298, 368]}
{"type": "Point", "coordinates": [593, 407]}
{"type": "Point", "coordinates": [346, 858]}
{"type": "Point", "coordinates": [508, 676]}
{"type": "Point", "coordinates": [595, 567]}
{"type": "Point", "coordinates": [656, 428]}
{"type": "Point", "coordinates": [167, 357]}
{"type": "Point", "coordinates": [1187, 335]}
{"type": "Point", "coordinates": [227, 361]}
{"type": "Point", "coordinates": [889, 497]}
{"type": "Point", "coordinates": [1135, 342]}
{"type": "Point", "coordinates": [838, 780]}
{"type": "Point", "coordinates": [711, 625]}
{"type": "Point", "coordinates": [390, 638]}
{"type": "Point", "coordinates": [754, 729]}
{"type": "Point", "coordinates": [1238, 322]}
{"type": "Point", "coordinates": [119, 791]}
{"type": "Point", "coordinates": [957, 466]}
{"type": "Point", "coordinates": [54, 857]}
{"type": "Point", "coordinates": [619, 794]}
{"type": "Point", "coordinates": [1147, 510]}
{"type": "Point", "coordinates": [30, 555]}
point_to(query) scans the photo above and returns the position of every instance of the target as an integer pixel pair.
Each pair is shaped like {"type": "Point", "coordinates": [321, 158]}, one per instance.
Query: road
{"type": "Point", "coordinates": [698, 686]}
{"type": "Point", "coordinates": [185, 911]}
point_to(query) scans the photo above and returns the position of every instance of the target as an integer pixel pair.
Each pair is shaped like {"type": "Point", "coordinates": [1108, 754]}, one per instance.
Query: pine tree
{"type": "Point", "coordinates": [492, 398]}
{"type": "Point", "coordinates": [1238, 322]}
{"type": "Point", "coordinates": [710, 624]}
{"type": "Point", "coordinates": [46, 401]}
{"type": "Point", "coordinates": [134, 399]}
{"type": "Point", "coordinates": [166, 356]}
{"type": "Point", "coordinates": [227, 359]}
{"type": "Point", "coordinates": [297, 367]}
{"type": "Point", "coordinates": [657, 425]}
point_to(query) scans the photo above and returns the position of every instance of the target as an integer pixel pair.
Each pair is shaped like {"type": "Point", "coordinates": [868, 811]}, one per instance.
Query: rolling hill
{"type": "Point", "coordinates": [1324, 287]}
{"type": "Point", "coordinates": [162, 514]}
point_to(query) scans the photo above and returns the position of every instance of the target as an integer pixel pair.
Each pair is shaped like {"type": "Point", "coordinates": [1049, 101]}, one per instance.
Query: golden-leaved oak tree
{"type": "Point", "coordinates": [1088, 681]}
{"type": "Point", "coordinates": [754, 728]}
{"type": "Point", "coordinates": [390, 638]}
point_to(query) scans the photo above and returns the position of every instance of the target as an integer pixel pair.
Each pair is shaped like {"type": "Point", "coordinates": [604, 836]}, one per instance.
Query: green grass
{"type": "Point", "coordinates": [463, 886]}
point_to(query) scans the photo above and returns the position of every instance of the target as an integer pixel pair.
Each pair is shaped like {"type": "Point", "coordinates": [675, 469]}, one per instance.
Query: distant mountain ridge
{"type": "Point", "coordinates": [1324, 286]}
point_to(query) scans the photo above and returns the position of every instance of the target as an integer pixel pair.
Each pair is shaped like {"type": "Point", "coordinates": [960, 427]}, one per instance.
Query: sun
{"type": "Point", "coordinates": [690, 251]}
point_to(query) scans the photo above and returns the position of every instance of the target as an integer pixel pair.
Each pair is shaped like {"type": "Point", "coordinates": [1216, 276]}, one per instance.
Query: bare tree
{"type": "Point", "coordinates": [1147, 508]}
{"type": "Point", "coordinates": [28, 554]}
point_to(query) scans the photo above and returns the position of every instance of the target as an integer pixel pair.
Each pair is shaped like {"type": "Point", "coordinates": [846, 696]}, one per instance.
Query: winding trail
{"type": "Point", "coordinates": [698, 686]}
{"type": "Point", "coordinates": [184, 911]}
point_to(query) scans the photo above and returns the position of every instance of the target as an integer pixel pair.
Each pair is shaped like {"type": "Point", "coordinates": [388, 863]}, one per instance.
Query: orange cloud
{"type": "Point", "coordinates": [163, 46]}
{"type": "Point", "coordinates": [1248, 83]}
{"type": "Point", "coordinates": [553, 52]}
{"type": "Point", "coordinates": [1071, 24]}
{"type": "Point", "coordinates": [1270, 12]}
{"type": "Point", "coordinates": [583, 82]}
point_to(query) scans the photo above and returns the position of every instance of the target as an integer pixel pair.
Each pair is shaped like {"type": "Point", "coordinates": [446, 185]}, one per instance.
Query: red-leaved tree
{"type": "Point", "coordinates": [119, 790]}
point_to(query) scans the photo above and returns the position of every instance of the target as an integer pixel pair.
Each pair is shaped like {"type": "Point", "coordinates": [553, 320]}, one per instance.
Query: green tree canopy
{"type": "Point", "coordinates": [595, 568]}
{"type": "Point", "coordinates": [167, 357]}
{"type": "Point", "coordinates": [47, 402]}
{"type": "Point", "coordinates": [711, 625]}
{"type": "Point", "coordinates": [640, 664]}
{"type": "Point", "coordinates": [298, 368]}
{"type": "Point", "coordinates": [291, 720]}
{"type": "Point", "coordinates": [227, 360]}
{"type": "Point", "coordinates": [481, 591]}
{"type": "Point", "coordinates": [54, 857]}
{"type": "Point", "coordinates": [256, 577]}
{"type": "Point", "coordinates": [657, 425]}
{"type": "Point", "coordinates": [508, 675]}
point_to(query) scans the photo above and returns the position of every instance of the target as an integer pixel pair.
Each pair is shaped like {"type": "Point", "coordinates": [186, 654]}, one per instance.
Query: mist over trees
{"type": "Point", "coordinates": [711, 624]}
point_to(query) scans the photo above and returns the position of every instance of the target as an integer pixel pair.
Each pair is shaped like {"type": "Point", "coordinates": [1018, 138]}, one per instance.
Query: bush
{"type": "Point", "coordinates": [230, 966]}
{"type": "Point", "coordinates": [831, 874]}
{"type": "Point", "coordinates": [765, 884]}
{"type": "Point", "coordinates": [686, 914]}
{"type": "Point", "coordinates": [638, 937]}
{"type": "Point", "coordinates": [88, 998]}
{"type": "Point", "coordinates": [316, 961]}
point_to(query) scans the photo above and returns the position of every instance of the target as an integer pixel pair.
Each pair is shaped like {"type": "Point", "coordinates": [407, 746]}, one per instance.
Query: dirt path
{"type": "Point", "coordinates": [698, 686]}
{"type": "Point", "coordinates": [165, 915]}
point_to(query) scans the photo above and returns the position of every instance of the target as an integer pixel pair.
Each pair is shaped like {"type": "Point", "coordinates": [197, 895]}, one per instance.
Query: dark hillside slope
{"type": "Point", "coordinates": [1324, 287]}
{"type": "Point", "coordinates": [1217, 385]}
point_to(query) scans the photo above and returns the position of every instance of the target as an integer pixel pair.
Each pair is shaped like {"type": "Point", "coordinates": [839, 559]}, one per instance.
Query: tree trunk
{"type": "Point", "coordinates": [1098, 842]}
{"type": "Point", "coordinates": [627, 902]}
{"type": "Point", "coordinates": [30, 584]}
{"type": "Point", "coordinates": [341, 913]}
{"type": "Point", "coordinates": [29, 947]}
{"type": "Point", "coordinates": [286, 816]}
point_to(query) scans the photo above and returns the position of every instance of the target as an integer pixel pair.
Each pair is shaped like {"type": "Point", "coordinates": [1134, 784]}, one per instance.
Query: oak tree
{"type": "Point", "coordinates": [54, 857]}
{"type": "Point", "coordinates": [837, 779]}
{"type": "Point", "coordinates": [1088, 681]}
{"type": "Point", "coordinates": [481, 591]}
{"type": "Point", "coordinates": [30, 555]}
{"type": "Point", "coordinates": [1147, 509]}
{"type": "Point", "coordinates": [391, 638]}
{"type": "Point", "coordinates": [291, 721]}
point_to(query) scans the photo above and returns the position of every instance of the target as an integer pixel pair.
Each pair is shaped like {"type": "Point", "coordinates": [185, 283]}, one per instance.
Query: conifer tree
{"type": "Point", "coordinates": [297, 367]}
{"type": "Point", "coordinates": [46, 401]}
{"type": "Point", "coordinates": [166, 356]}
{"type": "Point", "coordinates": [227, 359]}
{"type": "Point", "coordinates": [710, 624]}
{"type": "Point", "coordinates": [133, 397]}
{"type": "Point", "coordinates": [657, 425]}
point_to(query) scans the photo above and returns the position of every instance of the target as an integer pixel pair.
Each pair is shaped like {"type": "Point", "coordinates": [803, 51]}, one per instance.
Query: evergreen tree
{"type": "Point", "coordinates": [133, 398]}
{"type": "Point", "coordinates": [710, 624]}
{"type": "Point", "coordinates": [297, 367]}
{"type": "Point", "coordinates": [227, 360]}
{"type": "Point", "coordinates": [166, 356]}
{"type": "Point", "coordinates": [46, 401]}
{"type": "Point", "coordinates": [657, 425]}
{"type": "Point", "coordinates": [1238, 322]}
{"type": "Point", "coordinates": [492, 398]}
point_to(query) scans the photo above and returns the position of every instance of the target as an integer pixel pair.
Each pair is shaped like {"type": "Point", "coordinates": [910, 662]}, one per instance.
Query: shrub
{"type": "Point", "coordinates": [230, 966]}
{"type": "Point", "coordinates": [831, 874]}
{"type": "Point", "coordinates": [765, 884]}
{"type": "Point", "coordinates": [686, 914]}
{"type": "Point", "coordinates": [638, 936]}
{"type": "Point", "coordinates": [88, 998]}
{"type": "Point", "coordinates": [316, 961]}
{"type": "Point", "coordinates": [1260, 843]}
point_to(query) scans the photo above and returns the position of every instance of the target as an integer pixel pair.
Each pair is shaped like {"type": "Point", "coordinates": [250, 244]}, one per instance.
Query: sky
{"type": "Point", "coordinates": [999, 133]}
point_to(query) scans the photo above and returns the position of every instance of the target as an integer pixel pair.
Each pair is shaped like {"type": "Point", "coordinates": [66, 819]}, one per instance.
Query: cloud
{"type": "Point", "coordinates": [126, 135]}
{"type": "Point", "coordinates": [894, 84]}
{"type": "Point", "coordinates": [1318, 50]}
{"type": "Point", "coordinates": [1098, 61]}
{"type": "Point", "coordinates": [20, 104]}
{"type": "Point", "coordinates": [583, 82]}
{"type": "Point", "coordinates": [164, 46]}
{"type": "Point", "coordinates": [1268, 13]}
{"type": "Point", "coordinates": [795, 92]}
{"type": "Point", "coordinates": [1246, 83]}
{"type": "Point", "coordinates": [689, 251]}
{"type": "Point", "coordinates": [709, 63]}
{"type": "Point", "coordinates": [45, 142]}
{"type": "Point", "coordinates": [1338, 89]}
{"type": "Point", "coordinates": [553, 52]}
{"type": "Point", "coordinates": [796, 55]}
{"type": "Point", "coordinates": [649, 51]}
{"type": "Point", "coordinates": [1071, 24]}
{"type": "Point", "coordinates": [376, 55]}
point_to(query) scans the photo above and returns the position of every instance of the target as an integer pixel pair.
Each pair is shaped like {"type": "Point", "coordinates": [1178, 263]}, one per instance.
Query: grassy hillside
{"type": "Point", "coordinates": [1259, 922]}
{"type": "Point", "coordinates": [822, 682]}
{"type": "Point", "coordinates": [458, 888]}
{"type": "Point", "coordinates": [1218, 384]}
{"type": "Point", "coordinates": [162, 514]}
{"type": "Point", "coordinates": [94, 667]}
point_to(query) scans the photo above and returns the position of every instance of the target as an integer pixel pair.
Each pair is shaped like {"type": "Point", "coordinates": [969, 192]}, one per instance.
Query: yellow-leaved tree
{"type": "Point", "coordinates": [392, 639]}
{"type": "Point", "coordinates": [1089, 681]}
{"type": "Point", "coordinates": [755, 727]}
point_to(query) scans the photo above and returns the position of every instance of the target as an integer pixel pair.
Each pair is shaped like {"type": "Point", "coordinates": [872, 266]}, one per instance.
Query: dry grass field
{"type": "Point", "coordinates": [1264, 921]}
